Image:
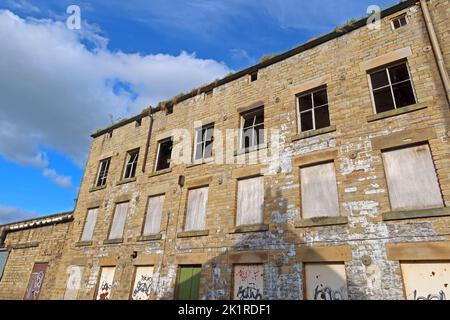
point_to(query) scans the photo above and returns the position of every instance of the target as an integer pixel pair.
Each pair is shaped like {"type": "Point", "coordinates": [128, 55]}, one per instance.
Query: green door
{"type": "Point", "coordinates": [188, 282]}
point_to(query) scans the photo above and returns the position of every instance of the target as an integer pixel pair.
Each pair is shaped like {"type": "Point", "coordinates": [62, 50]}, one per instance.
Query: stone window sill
{"type": "Point", "coordinates": [251, 228]}
{"type": "Point", "coordinates": [124, 181]}
{"type": "Point", "coordinates": [83, 243]}
{"type": "Point", "coordinates": [150, 237]}
{"type": "Point", "coordinates": [396, 112]}
{"type": "Point", "coordinates": [25, 245]}
{"type": "Point", "coordinates": [199, 163]}
{"type": "Point", "coordinates": [160, 172]}
{"type": "Point", "coordinates": [251, 149]}
{"type": "Point", "coordinates": [321, 221]}
{"type": "Point", "coordinates": [97, 188]}
{"type": "Point", "coordinates": [313, 133]}
{"type": "Point", "coordinates": [113, 241]}
{"type": "Point", "coordinates": [191, 234]}
{"type": "Point", "coordinates": [416, 214]}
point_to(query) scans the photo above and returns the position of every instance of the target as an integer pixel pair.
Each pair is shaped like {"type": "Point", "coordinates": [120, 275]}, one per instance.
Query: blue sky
{"type": "Point", "coordinates": [59, 85]}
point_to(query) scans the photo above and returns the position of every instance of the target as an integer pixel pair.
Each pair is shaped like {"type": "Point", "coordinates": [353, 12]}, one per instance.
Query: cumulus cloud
{"type": "Point", "coordinates": [59, 85]}
{"type": "Point", "coordinates": [10, 214]}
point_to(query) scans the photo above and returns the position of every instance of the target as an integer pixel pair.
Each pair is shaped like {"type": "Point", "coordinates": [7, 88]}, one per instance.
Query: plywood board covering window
{"type": "Point", "coordinates": [153, 217]}
{"type": "Point", "coordinates": [250, 206]}
{"type": "Point", "coordinates": [35, 282]}
{"type": "Point", "coordinates": [325, 281]}
{"type": "Point", "coordinates": [426, 281]}
{"type": "Point", "coordinates": [143, 281]}
{"type": "Point", "coordinates": [73, 282]}
{"type": "Point", "coordinates": [411, 179]}
{"type": "Point", "coordinates": [196, 209]}
{"type": "Point", "coordinates": [105, 283]}
{"type": "Point", "coordinates": [118, 223]}
{"type": "Point", "coordinates": [248, 282]}
{"type": "Point", "coordinates": [89, 225]}
{"type": "Point", "coordinates": [319, 191]}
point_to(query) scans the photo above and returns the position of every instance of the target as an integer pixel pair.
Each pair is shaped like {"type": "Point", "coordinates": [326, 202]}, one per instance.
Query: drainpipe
{"type": "Point", "coordinates": [436, 48]}
{"type": "Point", "coordinates": [147, 145]}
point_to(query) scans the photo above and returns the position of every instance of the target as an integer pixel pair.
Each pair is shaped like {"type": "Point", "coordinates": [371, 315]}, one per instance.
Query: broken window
{"type": "Point", "coordinates": [153, 217]}
{"type": "Point", "coordinates": [102, 172]}
{"type": "Point", "coordinates": [250, 206]}
{"type": "Point", "coordinates": [319, 191]}
{"type": "Point", "coordinates": [428, 280]}
{"type": "Point", "coordinates": [89, 225]}
{"type": "Point", "coordinates": [196, 209]}
{"type": "Point", "coordinates": [392, 87]}
{"type": "Point", "coordinates": [118, 223]}
{"type": "Point", "coordinates": [164, 154]}
{"type": "Point", "coordinates": [204, 142]}
{"type": "Point", "coordinates": [399, 22]}
{"type": "Point", "coordinates": [325, 281]}
{"type": "Point", "coordinates": [252, 128]}
{"type": "Point", "coordinates": [248, 282]}
{"type": "Point", "coordinates": [411, 178]}
{"type": "Point", "coordinates": [143, 281]}
{"type": "Point", "coordinates": [313, 110]}
{"type": "Point", "coordinates": [105, 283]}
{"type": "Point", "coordinates": [131, 164]}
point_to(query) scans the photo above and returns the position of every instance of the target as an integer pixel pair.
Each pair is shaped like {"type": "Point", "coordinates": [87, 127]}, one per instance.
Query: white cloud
{"type": "Point", "coordinates": [63, 181]}
{"type": "Point", "coordinates": [10, 214]}
{"type": "Point", "coordinates": [56, 90]}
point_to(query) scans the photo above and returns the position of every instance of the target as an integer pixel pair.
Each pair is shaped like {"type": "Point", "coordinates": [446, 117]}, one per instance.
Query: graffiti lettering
{"type": "Point", "coordinates": [249, 293]}
{"type": "Point", "coordinates": [143, 287]}
{"type": "Point", "coordinates": [326, 293]}
{"type": "Point", "coordinates": [439, 296]}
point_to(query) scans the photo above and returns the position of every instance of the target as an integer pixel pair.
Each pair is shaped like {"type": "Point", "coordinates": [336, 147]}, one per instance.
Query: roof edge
{"type": "Point", "coordinates": [38, 219]}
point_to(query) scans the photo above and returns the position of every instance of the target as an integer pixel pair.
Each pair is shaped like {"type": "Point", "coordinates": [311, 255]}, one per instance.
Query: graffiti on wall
{"type": "Point", "coordinates": [35, 282]}
{"type": "Point", "coordinates": [427, 280]}
{"type": "Point", "coordinates": [142, 283]}
{"type": "Point", "coordinates": [248, 282]}
{"type": "Point", "coordinates": [73, 282]}
{"type": "Point", "coordinates": [105, 283]}
{"type": "Point", "coordinates": [326, 282]}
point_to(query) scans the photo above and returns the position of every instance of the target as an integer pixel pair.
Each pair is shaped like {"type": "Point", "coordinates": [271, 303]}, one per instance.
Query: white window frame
{"type": "Point", "coordinates": [403, 15]}
{"type": "Point", "coordinates": [133, 164]}
{"type": "Point", "coordinates": [157, 153]}
{"type": "Point", "coordinates": [96, 184]}
{"type": "Point", "coordinates": [385, 67]}
{"type": "Point", "coordinates": [203, 142]}
{"type": "Point", "coordinates": [311, 93]}
{"type": "Point", "coordinates": [241, 133]}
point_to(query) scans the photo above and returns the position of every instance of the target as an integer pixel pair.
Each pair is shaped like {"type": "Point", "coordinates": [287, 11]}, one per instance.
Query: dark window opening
{"type": "Point", "coordinates": [399, 22]}
{"type": "Point", "coordinates": [164, 154]}
{"type": "Point", "coordinates": [392, 88]}
{"type": "Point", "coordinates": [103, 172]}
{"type": "Point", "coordinates": [131, 164]}
{"type": "Point", "coordinates": [314, 110]}
{"type": "Point", "coordinates": [138, 123]}
{"type": "Point", "coordinates": [204, 142]}
{"type": "Point", "coordinates": [252, 128]}
{"type": "Point", "coordinates": [253, 76]}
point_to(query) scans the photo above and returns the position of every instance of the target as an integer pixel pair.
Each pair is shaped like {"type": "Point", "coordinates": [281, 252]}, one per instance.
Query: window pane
{"type": "Point", "coordinates": [199, 133]}
{"type": "Point", "coordinates": [319, 191]}
{"type": "Point", "coordinates": [118, 224]}
{"type": "Point", "coordinates": [209, 133]}
{"type": "Point", "coordinates": [320, 98]}
{"type": "Point", "coordinates": [89, 225]}
{"type": "Point", "coordinates": [322, 117]}
{"type": "Point", "coordinates": [306, 121]}
{"type": "Point", "coordinates": [196, 209]}
{"type": "Point", "coordinates": [325, 281]}
{"type": "Point", "coordinates": [411, 179]}
{"type": "Point", "coordinates": [165, 153]}
{"type": "Point", "coordinates": [153, 217]}
{"type": "Point", "coordinates": [305, 102]}
{"type": "Point", "coordinates": [199, 151]}
{"type": "Point", "coordinates": [248, 282]}
{"type": "Point", "coordinates": [247, 138]}
{"type": "Point", "coordinates": [250, 201]}
{"type": "Point", "coordinates": [383, 100]}
{"type": "Point", "coordinates": [403, 94]}
{"type": "Point", "coordinates": [208, 149]}
{"type": "Point", "coordinates": [259, 117]}
{"type": "Point", "coordinates": [398, 73]}
{"type": "Point", "coordinates": [379, 79]}
{"type": "Point", "coordinates": [248, 121]}
{"type": "Point", "coordinates": [259, 134]}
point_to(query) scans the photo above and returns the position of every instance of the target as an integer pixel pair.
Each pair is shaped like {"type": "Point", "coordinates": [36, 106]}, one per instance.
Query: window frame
{"type": "Point", "coordinates": [400, 16]}
{"type": "Point", "coordinates": [85, 222]}
{"type": "Point", "coordinates": [203, 142]}
{"type": "Point", "coordinates": [387, 67]}
{"type": "Point", "coordinates": [241, 130]}
{"type": "Point", "coordinates": [146, 213]}
{"type": "Point", "coordinates": [186, 207]}
{"type": "Point", "coordinates": [99, 170]}
{"type": "Point", "coordinates": [311, 93]}
{"type": "Point", "coordinates": [133, 164]}
{"type": "Point", "coordinates": [160, 142]}
{"type": "Point", "coordinates": [236, 216]}
{"type": "Point", "coordinates": [111, 224]}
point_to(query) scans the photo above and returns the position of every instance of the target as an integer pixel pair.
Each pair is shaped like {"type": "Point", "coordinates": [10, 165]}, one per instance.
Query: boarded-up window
{"type": "Point", "coordinates": [248, 282]}
{"type": "Point", "coordinates": [427, 280]}
{"type": "Point", "coordinates": [188, 282]}
{"type": "Point", "coordinates": [89, 225]}
{"type": "Point", "coordinates": [325, 281]}
{"type": "Point", "coordinates": [35, 281]}
{"type": "Point", "coordinates": [142, 283]}
{"type": "Point", "coordinates": [105, 283]}
{"type": "Point", "coordinates": [411, 179]}
{"type": "Point", "coordinates": [196, 209]}
{"type": "Point", "coordinates": [73, 282]}
{"type": "Point", "coordinates": [118, 223]}
{"type": "Point", "coordinates": [153, 217]}
{"type": "Point", "coordinates": [3, 258]}
{"type": "Point", "coordinates": [319, 191]}
{"type": "Point", "coordinates": [250, 206]}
